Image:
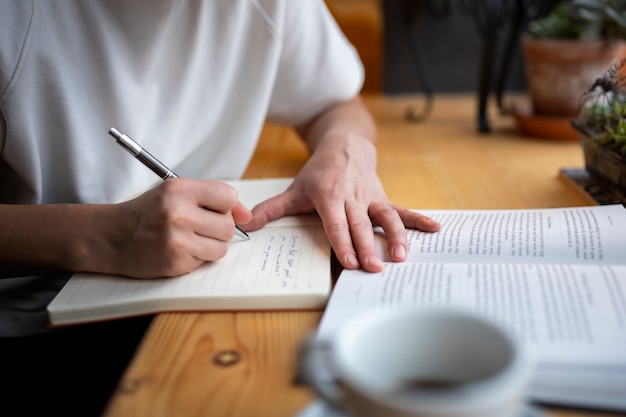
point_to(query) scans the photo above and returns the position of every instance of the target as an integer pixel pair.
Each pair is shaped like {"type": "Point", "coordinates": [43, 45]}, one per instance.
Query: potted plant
{"type": "Point", "coordinates": [567, 49]}
{"type": "Point", "coordinates": [602, 125]}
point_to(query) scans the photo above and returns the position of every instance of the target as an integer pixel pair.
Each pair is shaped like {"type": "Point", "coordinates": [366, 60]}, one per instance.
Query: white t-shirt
{"type": "Point", "coordinates": [192, 81]}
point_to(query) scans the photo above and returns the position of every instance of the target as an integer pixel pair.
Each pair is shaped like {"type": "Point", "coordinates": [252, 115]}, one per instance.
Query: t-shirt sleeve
{"type": "Point", "coordinates": [318, 66]}
{"type": "Point", "coordinates": [15, 19]}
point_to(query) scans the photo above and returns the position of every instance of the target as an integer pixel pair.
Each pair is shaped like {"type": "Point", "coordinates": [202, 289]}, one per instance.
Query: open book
{"type": "Point", "coordinates": [285, 265]}
{"type": "Point", "coordinates": [556, 277]}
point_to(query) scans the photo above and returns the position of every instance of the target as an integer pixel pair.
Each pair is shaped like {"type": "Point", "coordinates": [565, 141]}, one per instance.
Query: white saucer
{"type": "Point", "coordinates": [321, 409]}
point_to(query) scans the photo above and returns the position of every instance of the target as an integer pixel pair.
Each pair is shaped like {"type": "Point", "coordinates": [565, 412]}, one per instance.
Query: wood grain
{"type": "Point", "coordinates": [217, 364]}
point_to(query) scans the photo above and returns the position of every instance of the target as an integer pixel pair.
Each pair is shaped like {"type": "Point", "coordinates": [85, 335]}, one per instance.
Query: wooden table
{"type": "Point", "coordinates": [242, 364]}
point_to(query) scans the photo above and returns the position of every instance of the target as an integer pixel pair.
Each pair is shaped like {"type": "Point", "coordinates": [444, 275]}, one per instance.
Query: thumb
{"type": "Point", "coordinates": [266, 211]}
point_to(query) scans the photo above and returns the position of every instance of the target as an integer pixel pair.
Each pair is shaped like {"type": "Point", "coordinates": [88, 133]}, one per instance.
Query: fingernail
{"type": "Point", "coordinates": [399, 252]}
{"type": "Point", "coordinates": [352, 261]}
{"type": "Point", "coordinates": [374, 261]}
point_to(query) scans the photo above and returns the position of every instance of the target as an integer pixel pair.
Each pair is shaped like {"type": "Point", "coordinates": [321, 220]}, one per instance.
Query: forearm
{"type": "Point", "coordinates": [55, 237]}
{"type": "Point", "coordinates": [167, 231]}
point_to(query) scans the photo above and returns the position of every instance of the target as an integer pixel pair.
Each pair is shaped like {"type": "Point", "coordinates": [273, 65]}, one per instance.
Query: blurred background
{"type": "Point", "coordinates": [445, 34]}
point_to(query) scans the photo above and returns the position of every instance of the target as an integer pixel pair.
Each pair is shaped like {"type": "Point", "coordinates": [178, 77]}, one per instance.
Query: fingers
{"type": "Point", "coordinates": [354, 239]}
{"type": "Point", "coordinates": [361, 231]}
{"type": "Point", "coordinates": [351, 234]}
{"type": "Point", "coordinates": [216, 198]}
{"type": "Point", "coordinates": [349, 238]}
{"type": "Point", "coordinates": [414, 220]}
{"type": "Point", "coordinates": [189, 221]}
{"type": "Point", "coordinates": [388, 217]}
{"type": "Point", "coordinates": [207, 249]}
{"type": "Point", "coordinates": [210, 224]}
{"type": "Point", "coordinates": [349, 228]}
{"type": "Point", "coordinates": [213, 195]}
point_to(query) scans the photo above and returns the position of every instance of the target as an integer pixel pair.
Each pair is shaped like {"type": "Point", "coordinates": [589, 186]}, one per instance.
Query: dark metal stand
{"type": "Point", "coordinates": [493, 19]}
{"type": "Point", "coordinates": [411, 16]}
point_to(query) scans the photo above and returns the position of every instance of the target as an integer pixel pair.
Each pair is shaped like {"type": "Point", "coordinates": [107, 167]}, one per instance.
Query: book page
{"type": "Point", "coordinates": [581, 235]}
{"type": "Point", "coordinates": [556, 278]}
{"type": "Point", "coordinates": [564, 313]}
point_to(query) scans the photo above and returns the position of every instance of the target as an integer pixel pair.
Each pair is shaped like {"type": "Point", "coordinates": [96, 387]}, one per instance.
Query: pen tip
{"type": "Point", "coordinates": [241, 233]}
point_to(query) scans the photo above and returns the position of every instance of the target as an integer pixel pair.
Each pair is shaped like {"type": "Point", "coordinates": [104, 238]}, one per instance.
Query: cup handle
{"type": "Point", "coordinates": [316, 369]}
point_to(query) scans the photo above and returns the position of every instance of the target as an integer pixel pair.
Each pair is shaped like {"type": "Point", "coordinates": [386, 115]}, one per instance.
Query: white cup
{"type": "Point", "coordinates": [418, 363]}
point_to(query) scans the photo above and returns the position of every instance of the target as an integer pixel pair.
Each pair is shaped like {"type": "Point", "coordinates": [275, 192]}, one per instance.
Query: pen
{"type": "Point", "coordinates": [154, 164]}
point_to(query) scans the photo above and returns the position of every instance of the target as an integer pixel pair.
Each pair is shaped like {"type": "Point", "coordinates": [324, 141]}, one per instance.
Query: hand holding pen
{"type": "Point", "coordinates": [153, 163]}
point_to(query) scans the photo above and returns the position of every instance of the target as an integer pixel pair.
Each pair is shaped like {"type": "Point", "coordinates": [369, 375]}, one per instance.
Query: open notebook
{"type": "Point", "coordinates": [284, 265]}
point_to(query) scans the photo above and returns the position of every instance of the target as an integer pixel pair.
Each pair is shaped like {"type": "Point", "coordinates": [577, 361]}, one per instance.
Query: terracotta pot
{"type": "Point", "coordinates": [559, 72]}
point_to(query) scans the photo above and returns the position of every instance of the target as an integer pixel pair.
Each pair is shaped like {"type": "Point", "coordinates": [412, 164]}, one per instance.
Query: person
{"type": "Point", "coordinates": [194, 82]}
